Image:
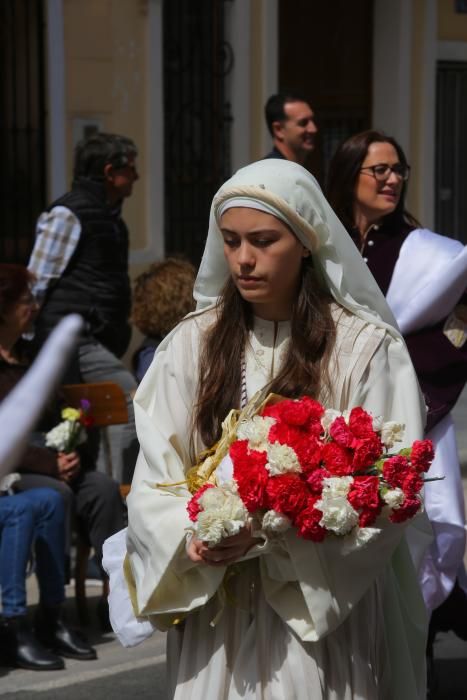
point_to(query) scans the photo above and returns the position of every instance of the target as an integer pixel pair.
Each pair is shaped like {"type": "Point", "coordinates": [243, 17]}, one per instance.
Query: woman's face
{"type": "Point", "coordinates": [264, 259]}
{"type": "Point", "coordinates": [20, 316]}
{"type": "Point", "coordinates": [375, 199]}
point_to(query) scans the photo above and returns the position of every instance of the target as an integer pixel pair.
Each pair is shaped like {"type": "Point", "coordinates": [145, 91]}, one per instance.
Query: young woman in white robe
{"type": "Point", "coordinates": [291, 619]}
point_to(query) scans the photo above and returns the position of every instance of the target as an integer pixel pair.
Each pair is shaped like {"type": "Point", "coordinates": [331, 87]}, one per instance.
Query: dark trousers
{"type": "Point", "coordinates": [92, 499]}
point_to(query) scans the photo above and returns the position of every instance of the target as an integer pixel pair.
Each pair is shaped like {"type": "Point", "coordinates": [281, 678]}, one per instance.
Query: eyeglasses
{"type": "Point", "coordinates": [382, 171]}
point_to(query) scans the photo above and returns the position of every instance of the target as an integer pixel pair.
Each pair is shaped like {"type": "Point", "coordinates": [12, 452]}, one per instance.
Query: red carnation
{"type": "Point", "coordinates": [336, 459]}
{"type": "Point", "coordinates": [272, 411]}
{"type": "Point", "coordinates": [287, 494]}
{"type": "Point", "coordinates": [395, 470]}
{"type": "Point", "coordinates": [412, 483]}
{"type": "Point", "coordinates": [422, 455]}
{"type": "Point", "coordinates": [315, 409]}
{"type": "Point", "coordinates": [408, 509]}
{"type": "Point", "coordinates": [295, 412]}
{"type": "Point", "coordinates": [193, 507]}
{"type": "Point", "coordinates": [341, 433]}
{"type": "Point", "coordinates": [368, 516]}
{"type": "Point", "coordinates": [244, 459]}
{"type": "Point", "coordinates": [315, 481]}
{"type": "Point", "coordinates": [250, 473]}
{"type": "Point", "coordinates": [307, 522]}
{"type": "Point", "coordinates": [367, 452]}
{"type": "Point", "coordinates": [361, 423]}
{"type": "Point", "coordinates": [285, 434]}
{"type": "Point", "coordinates": [364, 493]}
{"type": "Point", "coordinates": [308, 451]}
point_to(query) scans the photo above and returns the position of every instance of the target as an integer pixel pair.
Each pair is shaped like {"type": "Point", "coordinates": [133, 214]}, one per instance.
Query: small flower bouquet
{"type": "Point", "coordinates": [295, 464]}
{"type": "Point", "coordinates": [71, 432]}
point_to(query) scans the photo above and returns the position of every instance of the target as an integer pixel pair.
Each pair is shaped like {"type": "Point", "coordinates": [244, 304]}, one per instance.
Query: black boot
{"type": "Point", "coordinates": [19, 647]}
{"type": "Point", "coordinates": [54, 634]}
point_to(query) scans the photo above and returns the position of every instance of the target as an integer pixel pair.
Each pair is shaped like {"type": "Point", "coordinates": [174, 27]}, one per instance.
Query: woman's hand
{"type": "Point", "coordinates": [68, 465]}
{"type": "Point", "coordinates": [226, 552]}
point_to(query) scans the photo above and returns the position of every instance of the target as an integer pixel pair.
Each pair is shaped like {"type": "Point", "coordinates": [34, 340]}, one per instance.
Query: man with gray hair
{"type": "Point", "coordinates": [80, 261]}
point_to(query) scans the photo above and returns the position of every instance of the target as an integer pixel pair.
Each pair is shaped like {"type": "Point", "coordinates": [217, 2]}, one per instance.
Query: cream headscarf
{"type": "Point", "coordinates": [289, 191]}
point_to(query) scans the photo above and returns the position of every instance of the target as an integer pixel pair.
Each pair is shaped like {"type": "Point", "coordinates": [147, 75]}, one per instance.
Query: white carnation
{"type": "Point", "coordinates": [255, 430]}
{"type": "Point", "coordinates": [394, 498]}
{"type": "Point", "coordinates": [223, 514]}
{"type": "Point", "coordinates": [334, 486]}
{"type": "Point", "coordinates": [392, 432]}
{"type": "Point", "coordinates": [275, 522]}
{"type": "Point", "coordinates": [60, 437]}
{"type": "Point", "coordinates": [281, 459]}
{"type": "Point", "coordinates": [338, 514]}
{"type": "Point", "coordinates": [329, 417]}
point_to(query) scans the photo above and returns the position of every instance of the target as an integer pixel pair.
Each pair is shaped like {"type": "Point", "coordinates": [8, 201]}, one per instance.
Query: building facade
{"type": "Point", "coordinates": [188, 82]}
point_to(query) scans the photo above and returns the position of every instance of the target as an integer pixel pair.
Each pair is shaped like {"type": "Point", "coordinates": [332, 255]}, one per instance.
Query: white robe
{"type": "Point", "coordinates": [301, 620]}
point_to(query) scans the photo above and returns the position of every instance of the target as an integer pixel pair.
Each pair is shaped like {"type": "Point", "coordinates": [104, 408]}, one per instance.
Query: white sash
{"type": "Point", "coordinates": [428, 280]}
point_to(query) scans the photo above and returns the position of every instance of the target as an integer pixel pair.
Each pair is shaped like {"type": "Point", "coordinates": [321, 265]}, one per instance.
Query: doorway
{"type": "Point", "coordinates": [22, 125]}
{"type": "Point", "coordinates": [451, 149]}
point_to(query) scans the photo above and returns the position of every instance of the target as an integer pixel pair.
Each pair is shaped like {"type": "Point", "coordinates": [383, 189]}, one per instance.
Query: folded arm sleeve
{"type": "Point", "coordinates": [166, 580]}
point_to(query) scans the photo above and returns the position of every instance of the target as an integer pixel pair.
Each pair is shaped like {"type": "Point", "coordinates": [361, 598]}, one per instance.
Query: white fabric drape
{"type": "Point", "coordinates": [429, 278]}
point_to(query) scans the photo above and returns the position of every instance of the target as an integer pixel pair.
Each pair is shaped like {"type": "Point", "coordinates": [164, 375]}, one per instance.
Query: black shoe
{"type": "Point", "coordinates": [54, 634]}
{"type": "Point", "coordinates": [19, 647]}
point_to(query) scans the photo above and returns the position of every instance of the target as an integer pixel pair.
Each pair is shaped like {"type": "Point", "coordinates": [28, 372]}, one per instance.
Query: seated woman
{"type": "Point", "coordinates": [35, 517]}
{"type": "Point", "coordinates": [162, 296]}
{"type": "Point", "coordinates": [285, 305]}
{"type": "Point", "coordinates": [90, 495]}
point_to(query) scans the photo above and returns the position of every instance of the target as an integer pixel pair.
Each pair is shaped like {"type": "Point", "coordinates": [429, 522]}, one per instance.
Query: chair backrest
{"type": "Point", "coordinates": [107, 399]}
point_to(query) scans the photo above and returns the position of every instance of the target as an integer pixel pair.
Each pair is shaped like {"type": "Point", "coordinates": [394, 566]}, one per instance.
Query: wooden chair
{"type": "Point", "coordinates": [108, 407]}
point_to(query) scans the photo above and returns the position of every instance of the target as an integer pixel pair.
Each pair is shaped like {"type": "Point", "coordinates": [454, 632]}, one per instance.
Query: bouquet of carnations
{"type": "Point", "coordinates": [71, 432]}
{"type": "Point", "coordinates": [295, 464]}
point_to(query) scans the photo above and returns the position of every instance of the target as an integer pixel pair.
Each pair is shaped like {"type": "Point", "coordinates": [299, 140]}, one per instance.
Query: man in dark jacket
{"type": "Point", "coordinates": [80, 261]}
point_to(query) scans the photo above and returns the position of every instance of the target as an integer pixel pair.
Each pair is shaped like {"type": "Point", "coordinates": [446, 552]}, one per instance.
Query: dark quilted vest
{"type": "Point", "coordinates": [95, 283]}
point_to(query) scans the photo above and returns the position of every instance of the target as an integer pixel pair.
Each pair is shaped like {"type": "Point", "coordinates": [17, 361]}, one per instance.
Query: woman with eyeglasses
{"type": "Point", "coordinates": [423, 276]}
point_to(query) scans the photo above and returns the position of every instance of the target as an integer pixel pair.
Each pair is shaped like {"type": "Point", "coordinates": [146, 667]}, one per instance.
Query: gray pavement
{"type": "Point", "coordinates": [118, 673]}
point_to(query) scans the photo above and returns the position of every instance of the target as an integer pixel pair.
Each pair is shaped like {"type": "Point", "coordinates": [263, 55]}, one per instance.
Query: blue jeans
{"type": "Point", "coordinates": [31, 516]}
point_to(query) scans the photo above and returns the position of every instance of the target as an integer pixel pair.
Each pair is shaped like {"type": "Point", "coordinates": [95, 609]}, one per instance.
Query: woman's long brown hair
{"type": "Point", "coordinates": [304, 370]}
